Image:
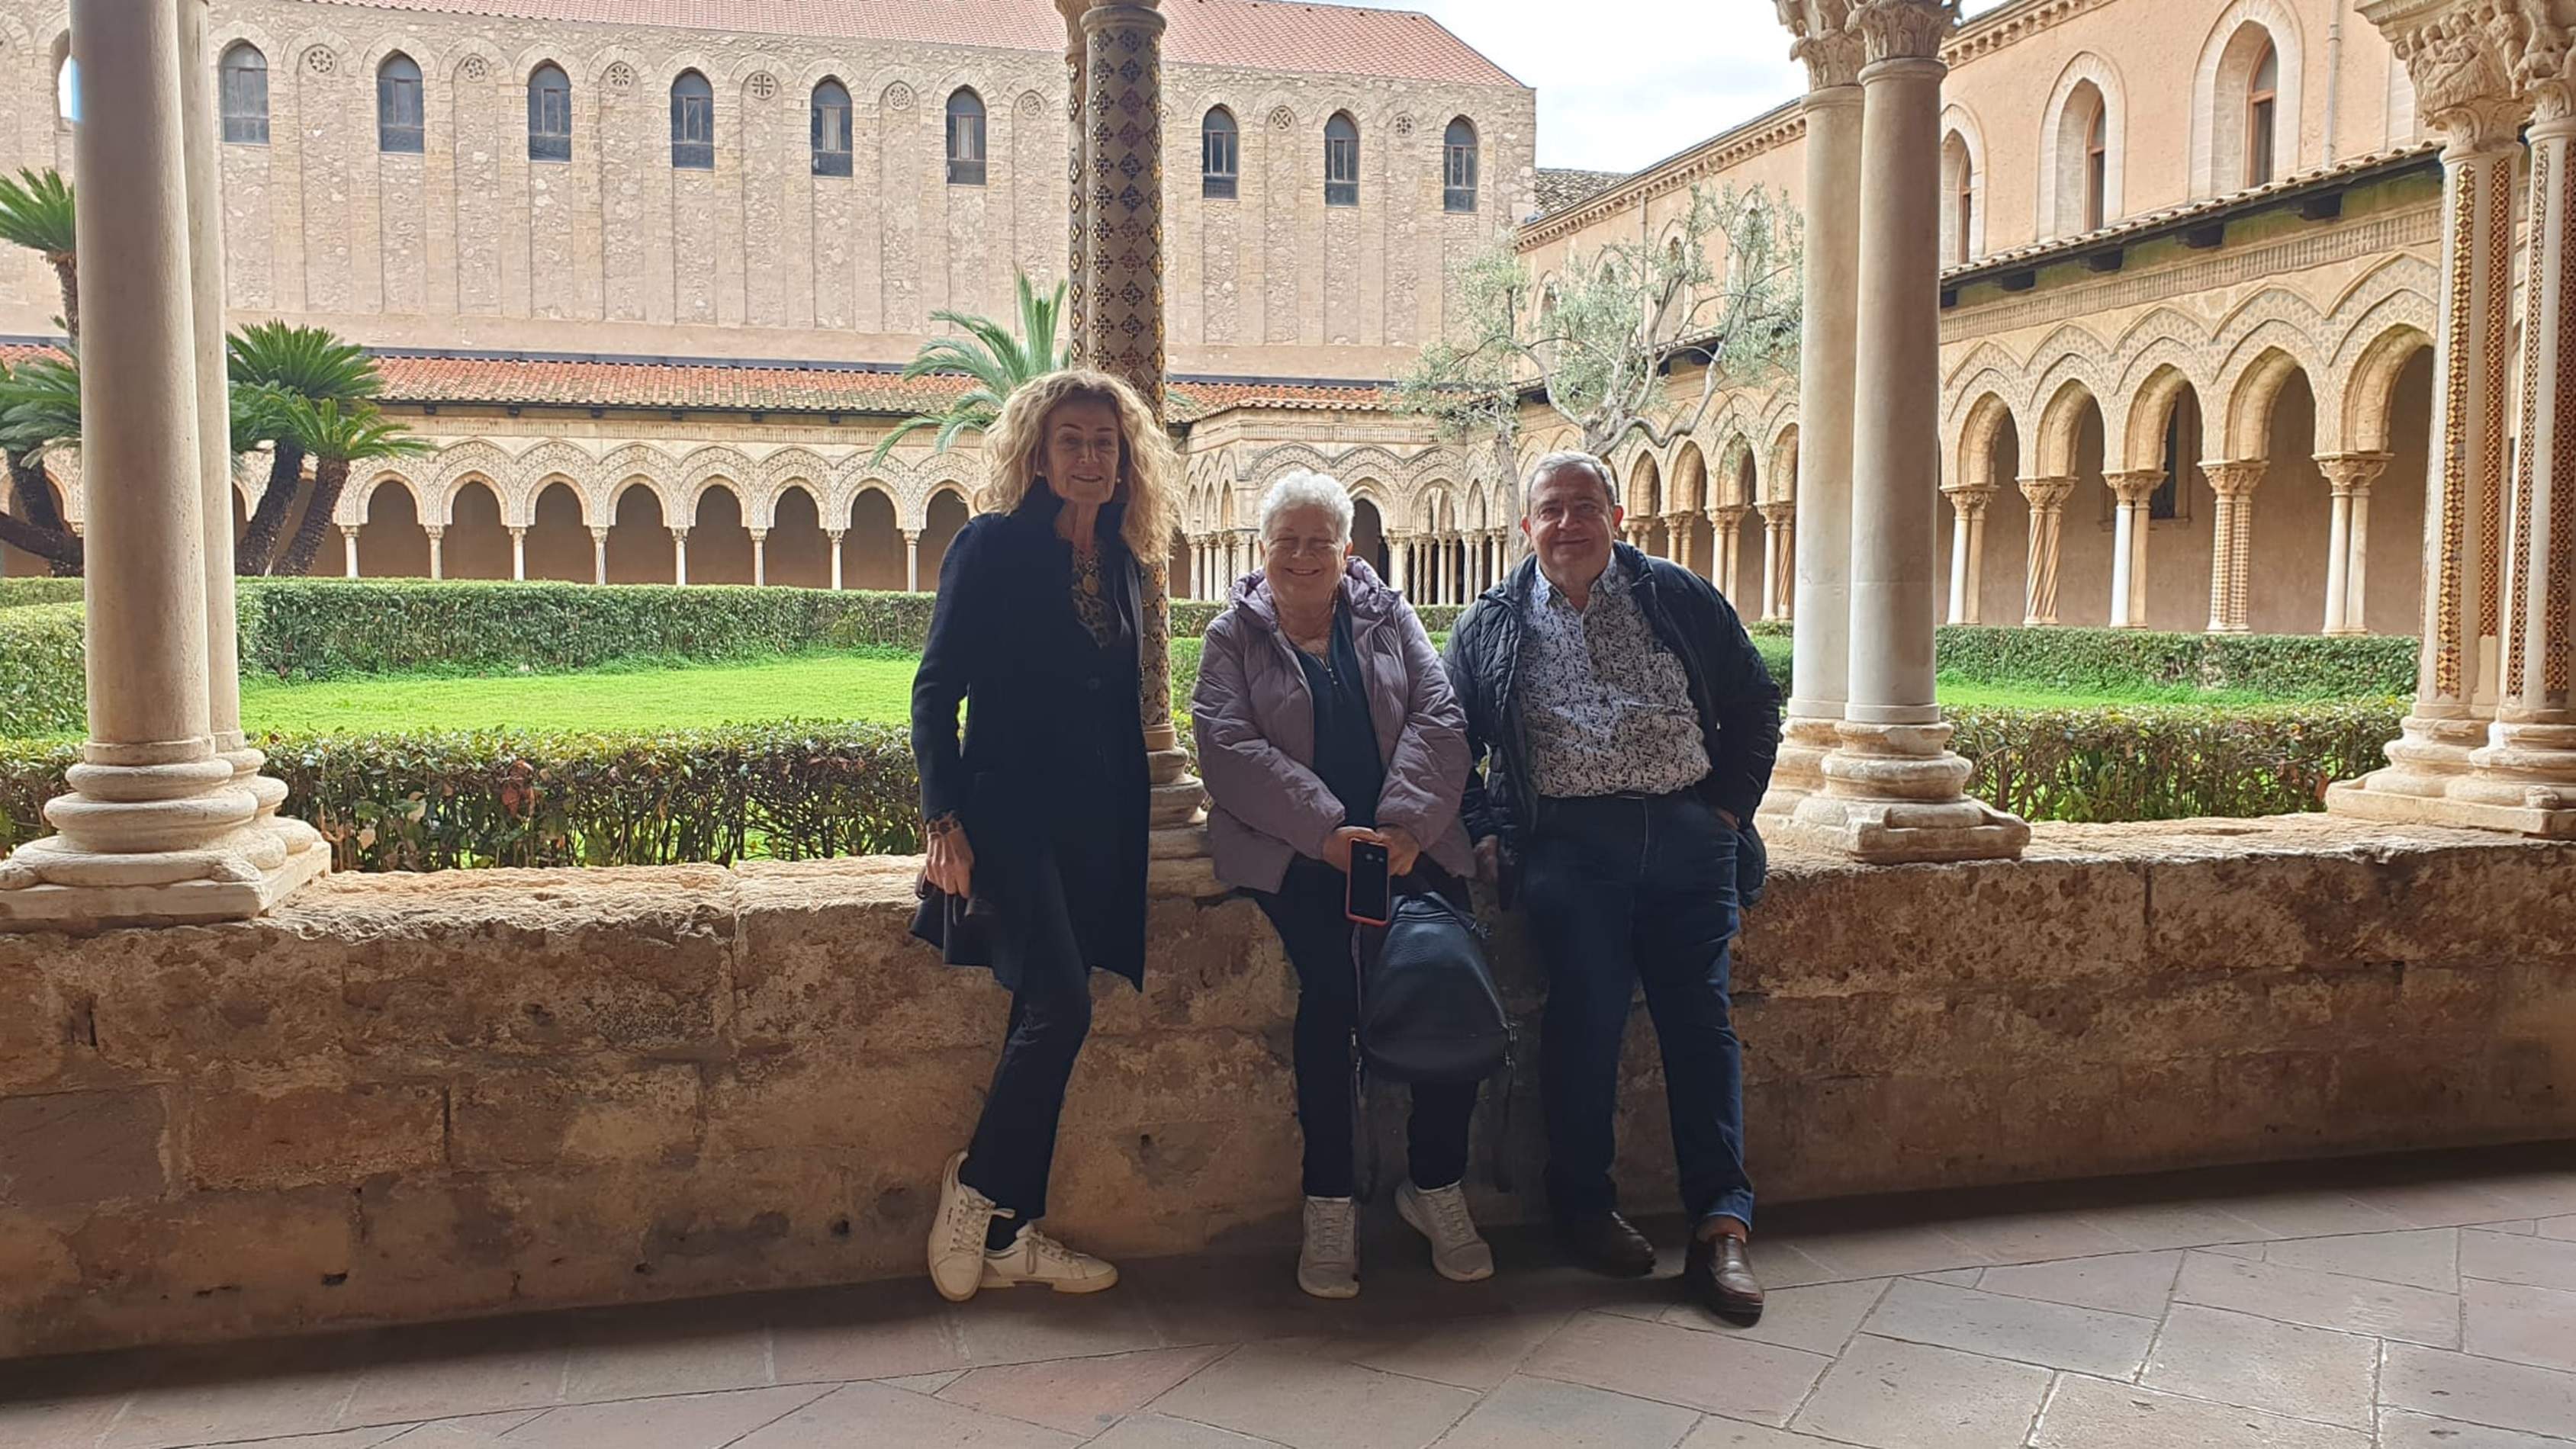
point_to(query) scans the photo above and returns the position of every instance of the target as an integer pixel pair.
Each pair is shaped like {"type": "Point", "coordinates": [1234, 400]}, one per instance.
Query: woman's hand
{"type": "Point", "coordinates": [1401, 849]}
{"type": "Point", "coordinates": [1337, 846]}
{"type": "Point", "coordinates": [951, 866]}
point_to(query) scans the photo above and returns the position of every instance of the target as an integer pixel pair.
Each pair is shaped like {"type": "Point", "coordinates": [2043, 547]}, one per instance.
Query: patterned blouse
{"type": "Point", "coordinates": [1607, 707]}
{"type": "Point", "coordinates": [1091, 597]}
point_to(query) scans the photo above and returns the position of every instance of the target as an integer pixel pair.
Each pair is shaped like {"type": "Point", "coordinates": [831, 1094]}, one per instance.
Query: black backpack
{"type": "Point", "coordinates": [1429, 1011]}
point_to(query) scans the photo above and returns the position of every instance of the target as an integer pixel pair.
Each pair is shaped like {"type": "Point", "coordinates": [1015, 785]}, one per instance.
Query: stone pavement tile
{"type": "Point", "coordinates": [1025, 1325]}
{"type": "Point", "coordinates": [2321, 1300]}
{"type": "Point", "coordinates": [1820, 1318]}
{"type": "Point", "coordinates": [2441, 1204]}
{"type": "Point", "coordinates": [2478, 1390]}
{"type": "Point", "coordinates": [463, 1369]}
{"type": "Point", "coordinates": [2505, 1258]}
{"type": "Point", "coordinates": [2250, 1252]}
{"type": "Point", "coordinates": [1080, 1395]}
{"type": "Point", "coordinates": [2037, 1237]}
{"type": "Point", "coordinates": [1717, 1433]}
{"type": "Point", "coordinates": [1470, 1353]}
{"type": "Point", "coordinates": [478, 1431]}
{"type": "Point", "coordinates": [1154, 1431]}
{"type": "Point", "coordinates": [1955, 1277]}
{"type": "Point", "coordinates": [1718, 1372]}
{"type": "Point", "coordinates": [609, 1364]}
{"type": "Point", "coordinates": [1530, 1413]}
{"type": "Point", "coordinates": [2177, 1225]}
{"type": "Point", "coordinates": [2136, 1283]}
{"type": "Point", "coordinates": [1782, 1265]}
{"type": "Point", "coordinates": [1885, 1253]}
{"type": "Point", "coordinates": [826, 1338]}
{"type": "Point", "coordinates": [240, 1408]}
{"type": "Point", "coordinates": [1240, 1301]}
{"type": "Point", "coordinates": [1891, 1395]}
{"type": "Point", "coordinates": [2090, 1413]}
{"type": "Point", "coordinates": [2313, 1214]}
{"type": "Point", "coordinates": [367, 1438]}
{"type": "Point", "coordinates": [2023, 1329]}
{"type": "Point", "coordinates": [2561, 1229]}
{"type": "Point", "coordinates": [1283, 1392]}
{"type": "Point", "coordinates": [2236, 1358]}
{"type": "Point", "coordinates": [2419, 1258]}
{"type": "Point", "coordinates": [2520, 1227]}
{"type": "Point", "coordinates": [2519, 1322]}
{"type": "Point", "coordinates": [690, 1421]}
{"type": "Point", "coordinates": [53, 1423]}
{"type": "Point", "coordinates": [864, 1416]}
{"type": "Point", "coordinates": [2401, 1429]}
{"type": "Point", "coordinates": [926, 1383]}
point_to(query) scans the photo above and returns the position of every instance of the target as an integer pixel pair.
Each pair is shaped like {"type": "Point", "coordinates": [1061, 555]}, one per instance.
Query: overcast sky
{"type": "Point", "coordinates": [1624, 83]}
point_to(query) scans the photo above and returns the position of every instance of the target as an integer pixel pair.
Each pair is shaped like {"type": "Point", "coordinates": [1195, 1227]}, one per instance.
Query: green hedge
{"type": "Point", "coordinates": [2168, 762]}
{"type": "Point", "coordinates": [19, 592]}
{"type": "Point", "coordinates": [42, 688]}
{"type": "Point", "coordinates": [2281, 666]}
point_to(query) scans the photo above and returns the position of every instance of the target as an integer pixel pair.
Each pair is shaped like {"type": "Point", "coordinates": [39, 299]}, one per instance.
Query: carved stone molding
{"type": "Point", "coordinates": [2350, 474]}
{"type": "Point", "coordinates": [2466, 58]}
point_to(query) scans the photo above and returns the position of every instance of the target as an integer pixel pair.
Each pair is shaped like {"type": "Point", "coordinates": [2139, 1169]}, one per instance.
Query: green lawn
{"type": "Point", "coordinates": [874, 686]}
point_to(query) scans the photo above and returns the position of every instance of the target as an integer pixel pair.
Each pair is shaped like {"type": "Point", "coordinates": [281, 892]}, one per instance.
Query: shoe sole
{"type": "Point", "coordinates": [955, 1297]}
{"type": "Point", "coordinates": [948, 1180]}
{"type": "Point", "coordinates": [1404, 1210]}
{"type": "Point", "coordinates": [1741, 1312]}
{"type": "Point", "coordinates": [1095, 1285]}
{"type": "Point", "coordinates": [1334, 1292]}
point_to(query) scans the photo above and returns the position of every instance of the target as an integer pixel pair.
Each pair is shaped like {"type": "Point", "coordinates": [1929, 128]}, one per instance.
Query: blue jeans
{"type": "Point", "coordinates": [1622, 889]}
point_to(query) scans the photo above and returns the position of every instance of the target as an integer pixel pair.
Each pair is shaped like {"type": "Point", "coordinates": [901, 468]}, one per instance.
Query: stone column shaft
{"type": "Point", "coordinates": [599, 555]}
{"type": "Point", "coordinates": [912, 560]}
{"type": "Point", "coordinates": [349, 542]}
{"type": "Point", "coordinates": [2348, 542]}
{"type": "Point", "coordinates": [679, 556]}
{"type": "Point", "coordinates": [519, 555]}
{"type": "Point", "coordinates": [2231, 559]}
{"type": "Point", "coordinates": [1968, 503]}
{"type": "Point", "coordinates": [2133, 491]}
{"type": "Point", "coordinates": [836, 535]}
{"type": "Point", "coordinates": [2047, 497]}
{"type": "Point", "coordinates": [437, 563]}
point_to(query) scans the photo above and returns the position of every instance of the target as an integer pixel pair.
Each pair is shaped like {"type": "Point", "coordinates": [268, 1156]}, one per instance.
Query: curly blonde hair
{"type": "Point", "coordinates": [1147, 464]}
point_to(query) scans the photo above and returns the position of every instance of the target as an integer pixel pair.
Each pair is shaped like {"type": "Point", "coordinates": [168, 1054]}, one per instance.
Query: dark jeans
{"type": "Point", "coordinates": [1307, 910]}
{"type": "Point", "coordinates": [1623, 889]}
{"type": "Point", "coordinates": [1014, 1145]}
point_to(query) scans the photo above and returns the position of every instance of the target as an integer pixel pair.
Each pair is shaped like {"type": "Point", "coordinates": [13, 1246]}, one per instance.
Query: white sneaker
{"type": "Point", "coordinates": [1328, 1266]}
{"type": "Point", "coordinates": [1033, 1257]}
{"type": "Point", "coordinates": [957, 1236]}
{"type": "Point", "coordinates": [1457, 1253]}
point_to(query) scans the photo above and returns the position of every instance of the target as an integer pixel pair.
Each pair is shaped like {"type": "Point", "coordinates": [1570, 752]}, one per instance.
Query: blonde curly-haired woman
{"type": "Point", "coordinates": [1036, 820]}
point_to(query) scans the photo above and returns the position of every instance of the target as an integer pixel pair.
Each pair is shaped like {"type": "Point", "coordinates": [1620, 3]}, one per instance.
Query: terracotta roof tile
{"type": "Point", "coordinates": [1249, 34]}
{"type": "Point", "coordinates": [1559, 187]}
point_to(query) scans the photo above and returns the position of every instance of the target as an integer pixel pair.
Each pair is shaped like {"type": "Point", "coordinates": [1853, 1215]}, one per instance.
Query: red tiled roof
{"type": "Point", "coordinates": [1249, 34]}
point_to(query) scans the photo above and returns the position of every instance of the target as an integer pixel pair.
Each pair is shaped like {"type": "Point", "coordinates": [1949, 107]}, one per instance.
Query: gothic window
{"type": "Point", "coordinates": [241, 79]}
{"type": "Point", "coordinates": [398, 108]}
{"type": "Point", "coordinates": [693, 123]}
{"type": "Point", "coordinates": [2097, 163]}
{"type": "Point", "coordinates": [965, 139]}
{"type": "Point", "coordinates": [1959, 190]}
{"type": "Point", "coordinates": [549, 115]}
{"type": "Point", "coordinates": [1458, 167]}
{"type": "Point", "coordinates": [1220, 155]}
{"type": "Point", "coordinates": [2182, 443]}
{"type": "Point", "coordinates": [831, 129]}
{"type": "Point", "coordinates": [2262, 100]}
{"type": "Point", "coordinates": [1341, 160]}
{"type": "Point", "coordinates": [67, 110]}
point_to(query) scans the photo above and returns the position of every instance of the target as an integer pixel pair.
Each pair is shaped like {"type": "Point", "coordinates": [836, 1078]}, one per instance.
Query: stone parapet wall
{"type": "Point", "coordinates": [426, 1096]}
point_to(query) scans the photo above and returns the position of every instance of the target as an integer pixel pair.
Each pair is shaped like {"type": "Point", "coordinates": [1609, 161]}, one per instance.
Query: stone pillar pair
{"type": "Point", "coordinates": [1888, 789]}
{"type": "Point", "coordinates": [2350, 476]}
{"type": "Point", "coordinates": [168, 819]}
{"type": "Point", "coordinates": [1725, 547]}
{"type": "Point", "coordinates": [1779, 517]}
{"type": "Point", "coordinates": [2491, 738]}
{"type": "Point", "coordinates": [2231, 548]}
{"type": "Point", "coordinates": [2133, 493]}
{"type": "Point", "coordinates": [1968, 504]}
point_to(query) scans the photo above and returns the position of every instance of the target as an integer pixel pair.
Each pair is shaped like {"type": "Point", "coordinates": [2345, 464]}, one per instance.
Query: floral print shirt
{"type": "Point", "coordinates": [1606, 706]}
{"type": "Point", "coordinates": [1091, 597]}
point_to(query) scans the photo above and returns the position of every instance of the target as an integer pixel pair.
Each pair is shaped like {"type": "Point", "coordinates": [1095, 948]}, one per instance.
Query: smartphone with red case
{"type": "Point", "coordinates": [1370, 898]}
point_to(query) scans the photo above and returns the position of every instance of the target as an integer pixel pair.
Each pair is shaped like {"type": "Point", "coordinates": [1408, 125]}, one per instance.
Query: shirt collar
{"type": "Point", "coordinates": [1613, 579]}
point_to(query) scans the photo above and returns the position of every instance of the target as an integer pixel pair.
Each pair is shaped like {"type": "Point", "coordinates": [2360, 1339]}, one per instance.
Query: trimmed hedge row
{"type": "Point", "coordinates": [20, 592]}
{"type": "Point", "coordinates": [2280, 666]}
{"type": "Point", "coordinates": [795, 791]}
{"type": "Point", "coordinates": [43, 689]}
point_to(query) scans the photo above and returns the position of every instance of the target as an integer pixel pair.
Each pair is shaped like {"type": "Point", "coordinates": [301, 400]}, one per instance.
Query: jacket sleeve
{"type": "Point", "coordinates": [1476, 801]}
{"type": "Point", "coordinates": [1428, 771]}
{"type": "Point", "coordinates": [950, 659]}
{"type": "Point", "coordinates": [1253, 779]}
{"type": "Point", "coordinates": [1748, 711]}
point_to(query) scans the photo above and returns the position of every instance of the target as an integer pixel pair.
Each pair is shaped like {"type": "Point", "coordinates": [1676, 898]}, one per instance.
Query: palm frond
{"type": "Point", "coordinates": [313, 362]}
{"type": "Point", "coordinates": [36, 212]}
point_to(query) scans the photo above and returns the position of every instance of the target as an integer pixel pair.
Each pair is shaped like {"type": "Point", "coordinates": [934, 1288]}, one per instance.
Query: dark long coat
{"type": "Point", "coordinates": [1050, 774]}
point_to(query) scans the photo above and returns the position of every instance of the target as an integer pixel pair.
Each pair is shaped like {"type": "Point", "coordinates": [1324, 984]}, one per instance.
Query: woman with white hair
{"type": "Point", "coordinates": [1324, 718]}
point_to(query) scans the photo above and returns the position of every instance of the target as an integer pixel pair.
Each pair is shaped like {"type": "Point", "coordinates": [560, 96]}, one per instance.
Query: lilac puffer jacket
{"type": "Point", "coordinates": [1256, 734]}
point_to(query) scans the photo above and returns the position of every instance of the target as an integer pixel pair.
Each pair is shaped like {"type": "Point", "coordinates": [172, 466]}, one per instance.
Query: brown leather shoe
{"type": "Point", "coordinates": [1605, 1243]}
{"type": "Point", "coordinates": [1719, 1274]}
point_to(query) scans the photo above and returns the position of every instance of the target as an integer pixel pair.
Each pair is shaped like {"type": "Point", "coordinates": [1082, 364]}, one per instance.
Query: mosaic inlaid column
{"type": "Point", "coordinates": [1820, 652]}
{"type": "Point", "coordinates": [1077, 183]}
{"type": "Point", "coordinates": [1894, 791]}
{"type": "Point", "coordinates": [2133, 493]}
{"type": "Point", "coordinates": [2047, 498]}
{"type": "Point", "coordinates": [2349, 475]}
{"type": "Point", "coordinates": [2524, 778]}
{"type": "Point", "coordinates": [1967, 546]}
{"type": "Point", "coordinates": [157, 828]}
{"type": "Point", "coordinates": [599, 555]}
{"type": "Point", "coordinates": [2463, 69]}
{"type": "Point", "coordinates": [2231, 547]}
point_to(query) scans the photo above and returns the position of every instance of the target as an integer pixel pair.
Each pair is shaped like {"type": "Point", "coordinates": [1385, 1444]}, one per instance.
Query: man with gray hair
{"type": "Point", "coordinates": [1620, 731]}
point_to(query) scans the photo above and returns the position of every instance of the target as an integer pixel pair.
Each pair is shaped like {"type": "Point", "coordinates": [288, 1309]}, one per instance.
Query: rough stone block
{"type": "Point", "coordinates": [37, 1274]}
{"type": "Point", "coordinates": [1198, 1077]}
{"type": "Point", "coordinates": [72, 1148]}
{"type": "Point", "coordinates": [1836, 930]}
{"type": "Point", "coordinates": [828, 956]}
{"type": "Point", "coordinates": [181, 1000]}
{"type": "Point", "coordinates": [248, 1139]}
{"type": "Point", "coordinates": [574, 1118]}
{"type": "Point", "coordinates": [270, 1260]}
{"type": "Point", "coordinates": [916, 1108]}
{"type": "Point", "coordinates": [42, 1025]}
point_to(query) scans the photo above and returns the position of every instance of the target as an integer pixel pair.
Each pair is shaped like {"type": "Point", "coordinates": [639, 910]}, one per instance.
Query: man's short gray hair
{"type": "Point", "coordinates": [1558, 462]}
{"type": "Point", "coordinates": [1306, 488]}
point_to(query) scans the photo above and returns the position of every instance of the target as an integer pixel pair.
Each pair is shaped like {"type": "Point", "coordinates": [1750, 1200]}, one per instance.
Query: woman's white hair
{"type": "Point", "coordinates": [1306, 488]}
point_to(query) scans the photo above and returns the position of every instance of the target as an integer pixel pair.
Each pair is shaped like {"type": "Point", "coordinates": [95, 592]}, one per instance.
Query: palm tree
{"type": "Point", "coordinates": [36, 213]}
{"type": "Point", "coordinates": [288, 363]}
{"type": "Point", "coordinates": [998, 362]}
{"type": "Point", "coordinates": [39, 407]}
{"type": "Point", "coordinates": [336, 437]}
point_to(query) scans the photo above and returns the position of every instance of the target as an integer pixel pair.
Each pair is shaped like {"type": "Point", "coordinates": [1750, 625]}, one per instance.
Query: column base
{"type": "Point", "coordinates": [2536, 816]}
{"type": "Point", "coordinates": [1799, 772]}
{"type": "Point", "coordinates": [1893, 796]}
{"type": "Point", "coordinates": [76, 890]}
{"type": "Point", "coordinates": [270, 792]}
{"type": "Point", "coordinates": [1177, 861]}
{"type": "Point", "coordinates": [2428, 754]}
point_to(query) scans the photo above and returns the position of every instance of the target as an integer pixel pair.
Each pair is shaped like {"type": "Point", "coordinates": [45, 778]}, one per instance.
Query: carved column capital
{"type": "Point", "coordinates": [2467, 59]}
{"type": "Point", "coordinates": [2047, 494]}
{"type": "Point", "coordinates": [1777, 511]}
{"type": "Point", "coordinates": [834, 535]}
{"type": "Point", "coordinates": [757, 534]}
{"type": "Point", "coordinates": [1726, 515]}
{"type": "Point", "coordinates": [519, 533]}
{"type": "Point", "coordinates": [2135, 485]}
{"type": "Point", "coordinates": [434, 530]}
{"type": "Point", "coordinates": [680, 534]}
{"type": "Point", "coordinates": [2351, 474]}
{"type": "Point", "coordinates": [1969, 499]}
{"type": "Point", "coordinates": [1902, 29]}
{"type": "Point", "coordinates": [1822, 43]}
{"type": "Point", "coordinates": [2234, 480]}
{"type": "Point", "coordinates": [599, 535]}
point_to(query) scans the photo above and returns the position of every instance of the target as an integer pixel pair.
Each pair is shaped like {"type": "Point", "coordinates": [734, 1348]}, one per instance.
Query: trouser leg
{"type": "Point", "coordinates": [1686, 921]}
{"type": "Point", "coordinates": [1579, 886]}
{"type": "Point", "coordinates": [1013, 1151]}
{"type": "Point", "coordinates": [1436, 1137]}
{"type": "Point", "coordinates": [1307, 913]}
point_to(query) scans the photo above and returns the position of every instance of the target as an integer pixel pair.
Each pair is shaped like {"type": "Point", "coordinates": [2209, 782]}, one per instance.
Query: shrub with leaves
{"type": "Point", "coordinates": [2168, 762]}
{"type": "Point", "coordinates": [43, 689]}
{"type": "Point", "coordinates": [19, 593]}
